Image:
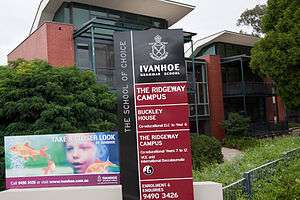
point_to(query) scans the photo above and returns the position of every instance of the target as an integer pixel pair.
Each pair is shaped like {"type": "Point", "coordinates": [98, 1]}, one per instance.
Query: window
{"type": "Point", "coordinates": [104, 63]}
{"type": "Point", "coordinates": [228, 50]}
{"type": "Point", "coordinates": [82, 13]}
{"type": "Point", "coordinates": [198, 90]}
{"type": "Point", "coordinates": [83, 57]}
{"type": "Point", "coordinates": [107, 21]}
{"type": "Point", "coordinates": [220, 49]}
{"type": "Point", "coordinates": [62, 14]}
{"type": "Point", "coordinates": [95, 13]}
{"type": "Point", "coordinates": [80, 16]}
{"type": "Point", "coordinates": [209, 50]}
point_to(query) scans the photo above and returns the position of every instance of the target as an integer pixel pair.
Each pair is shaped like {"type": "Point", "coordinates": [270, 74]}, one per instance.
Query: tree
{"type": "Point", "coordinates": [277, 54]}
{"type": "Point", "coordinates": [252, 18]}
{"type": "Point", "coordinates": [36, 98]}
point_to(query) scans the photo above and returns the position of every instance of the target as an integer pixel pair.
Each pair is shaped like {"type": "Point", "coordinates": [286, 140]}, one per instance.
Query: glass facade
{"type": "Point", "coordinates": [198, 95]}
{"type": "Point", "coordinates": [209, 50]}
{"type": "Point", "coordinates": [228, 50]}
{"type": "Point", "coordinates": [104, 58]}
{"type": "Point", "coordinates": [63, 14]}
{"type": "Point", "coordinates": [101, 44]}
{"type": "Point", "coordinates": [225, 50]}
{"type": "Point", "coordinates": [78, 14]}
{"type": "Point", "coordinates": [83, 56]}
{"type": "Point", "coordinates": [104, 62]}
{"type": "Point", "coordinates": [198, 89]}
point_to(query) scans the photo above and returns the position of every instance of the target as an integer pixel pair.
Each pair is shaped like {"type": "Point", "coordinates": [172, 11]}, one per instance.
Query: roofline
{"type": "Point", "coordinates": [35, 16]}
{"type": "Point", "coordinates": [245, 34]}
{"type": "Point", "coordinates": [226, 31]}
{"type": "Point", "coordinates": [197, 49]}
{"type": "Point", "coordinates": [179, 4]}
{"type": "Point", "coordinates": [166, 1]}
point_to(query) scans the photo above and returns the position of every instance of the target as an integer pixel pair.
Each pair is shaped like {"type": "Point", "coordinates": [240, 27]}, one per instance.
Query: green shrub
{"type": "Point", "coordinates": [36, 98]}
{"type": "Point", "coordinates": [205, 150]}
{"type": "Point", "coordinates": [236, 124]}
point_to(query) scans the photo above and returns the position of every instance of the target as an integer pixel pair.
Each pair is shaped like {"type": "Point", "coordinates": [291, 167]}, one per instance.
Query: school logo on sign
{"type": "Point", "coordinates": [159, 51]}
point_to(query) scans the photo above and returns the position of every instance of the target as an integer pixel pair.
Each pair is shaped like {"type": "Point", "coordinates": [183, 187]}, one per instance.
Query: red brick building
{"type": "Point", "coordinates": [81, 33]}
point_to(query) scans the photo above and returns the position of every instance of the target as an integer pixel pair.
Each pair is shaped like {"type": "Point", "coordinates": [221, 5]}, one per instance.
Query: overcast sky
{"type": "Point", "coordinates": [209, 17]}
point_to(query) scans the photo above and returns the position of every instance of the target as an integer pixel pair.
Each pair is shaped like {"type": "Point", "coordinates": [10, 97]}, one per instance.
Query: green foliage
{"type": "Point", "coordinates": [230, 171]}
{"type": "Point", "coordinates": [236, 124]}
{"type": "Point", "coordinates": [277, 54]}
{"type": "Point", "coordinates": [36, 98]}
{"type": "Point", "coordinates": [241, 143]}
{"type": "Point", "coordinates": [285, 184]}
{"type": "Point", "coordinates": [205, 150]}
{"type": "Point", "coordinates": [252, 18]}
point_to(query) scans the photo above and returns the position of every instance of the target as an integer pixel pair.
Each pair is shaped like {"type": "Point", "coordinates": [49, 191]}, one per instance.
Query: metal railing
{"type": "Point", "coordinates": [244, 186]}
{"type": "Point", "coordinates": [234, 190]}
{"type": "Point", "coordinates": [267, 129]}
{"type": "Point", "coordinates": [248, 88]}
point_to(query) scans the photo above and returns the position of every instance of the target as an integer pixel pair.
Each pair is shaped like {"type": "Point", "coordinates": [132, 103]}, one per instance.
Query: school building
{"type": "Point", "coordinates": [80, 32]}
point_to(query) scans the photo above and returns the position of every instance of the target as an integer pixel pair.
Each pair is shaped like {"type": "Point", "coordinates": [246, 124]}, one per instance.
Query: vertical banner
{"type": "Point", "coordinates": [153, 112]}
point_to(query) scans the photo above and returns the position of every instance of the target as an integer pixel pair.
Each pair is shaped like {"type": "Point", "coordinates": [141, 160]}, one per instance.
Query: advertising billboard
{"type": "Point", "coordinates": [153, 114]}
{"type": "Point", "coordinates": [82, 159]}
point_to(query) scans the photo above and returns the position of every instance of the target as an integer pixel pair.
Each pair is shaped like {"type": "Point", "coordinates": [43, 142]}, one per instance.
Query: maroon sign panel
{"type": "Point", "coordinates": [153, 111]}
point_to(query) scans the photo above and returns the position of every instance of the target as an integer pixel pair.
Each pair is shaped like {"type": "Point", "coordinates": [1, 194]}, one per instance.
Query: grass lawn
{"type": "Point", "coordinates": [255, 153]}
{"type": "Point", "coordinates": [285, 184]}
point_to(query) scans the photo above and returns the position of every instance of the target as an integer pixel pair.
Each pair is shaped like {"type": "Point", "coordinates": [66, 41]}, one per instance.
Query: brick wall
{"type": "Point", "coordinates": [35, 46]}
{"type": "Point", "coordinates": [281, 110]}
{"type": "Point", "coordinates": [52, 42]}
{"type": "Point", "coordinates": [60, 44]}
{"type": "Point", "coordinates": [215, 91]}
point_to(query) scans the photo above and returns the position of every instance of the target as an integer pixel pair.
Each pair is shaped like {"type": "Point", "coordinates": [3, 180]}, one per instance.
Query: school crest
{"type": "Point", "coordinates": [159, 51]}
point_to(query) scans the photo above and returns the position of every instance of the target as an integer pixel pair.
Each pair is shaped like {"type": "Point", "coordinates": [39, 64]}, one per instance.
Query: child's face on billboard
{"type": "Point", "coordinates": [80, 154]}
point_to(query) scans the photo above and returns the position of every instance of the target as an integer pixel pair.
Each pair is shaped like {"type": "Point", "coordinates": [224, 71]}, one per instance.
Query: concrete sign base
{"type": "Point", "coordinates": [202, 191]}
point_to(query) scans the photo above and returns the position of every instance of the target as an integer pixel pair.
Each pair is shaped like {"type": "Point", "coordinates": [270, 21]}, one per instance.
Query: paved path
{"type": "Point", "coordinates": [230, 154]}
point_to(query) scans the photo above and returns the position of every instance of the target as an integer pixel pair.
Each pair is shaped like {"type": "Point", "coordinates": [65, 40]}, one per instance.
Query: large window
{"type": "Point", "coordinates": [225, 50]}
{"type": "Point", "coordinates": [198, 96]}
{"type": "Point", "coordinates": [104, 63]}
{"type": "Point", "coordinates": [198, 89]}
{"type": "Point", "coordinates": [97, 54]}
{"type": "Point", "coordinates": [232, 71]}
{"type": "Point", "coordinates": [63, 14]}
{"type": "Point", "coordinates": [104, 59]}
{"type": "Point", "coordinates": [228, 50]}
{"type": "Point", "coordinates": [83, 56]}
{"type": "Point", "coordinates": [209, 50]}
{"type": "Point", "coordinates": [78, 14]}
